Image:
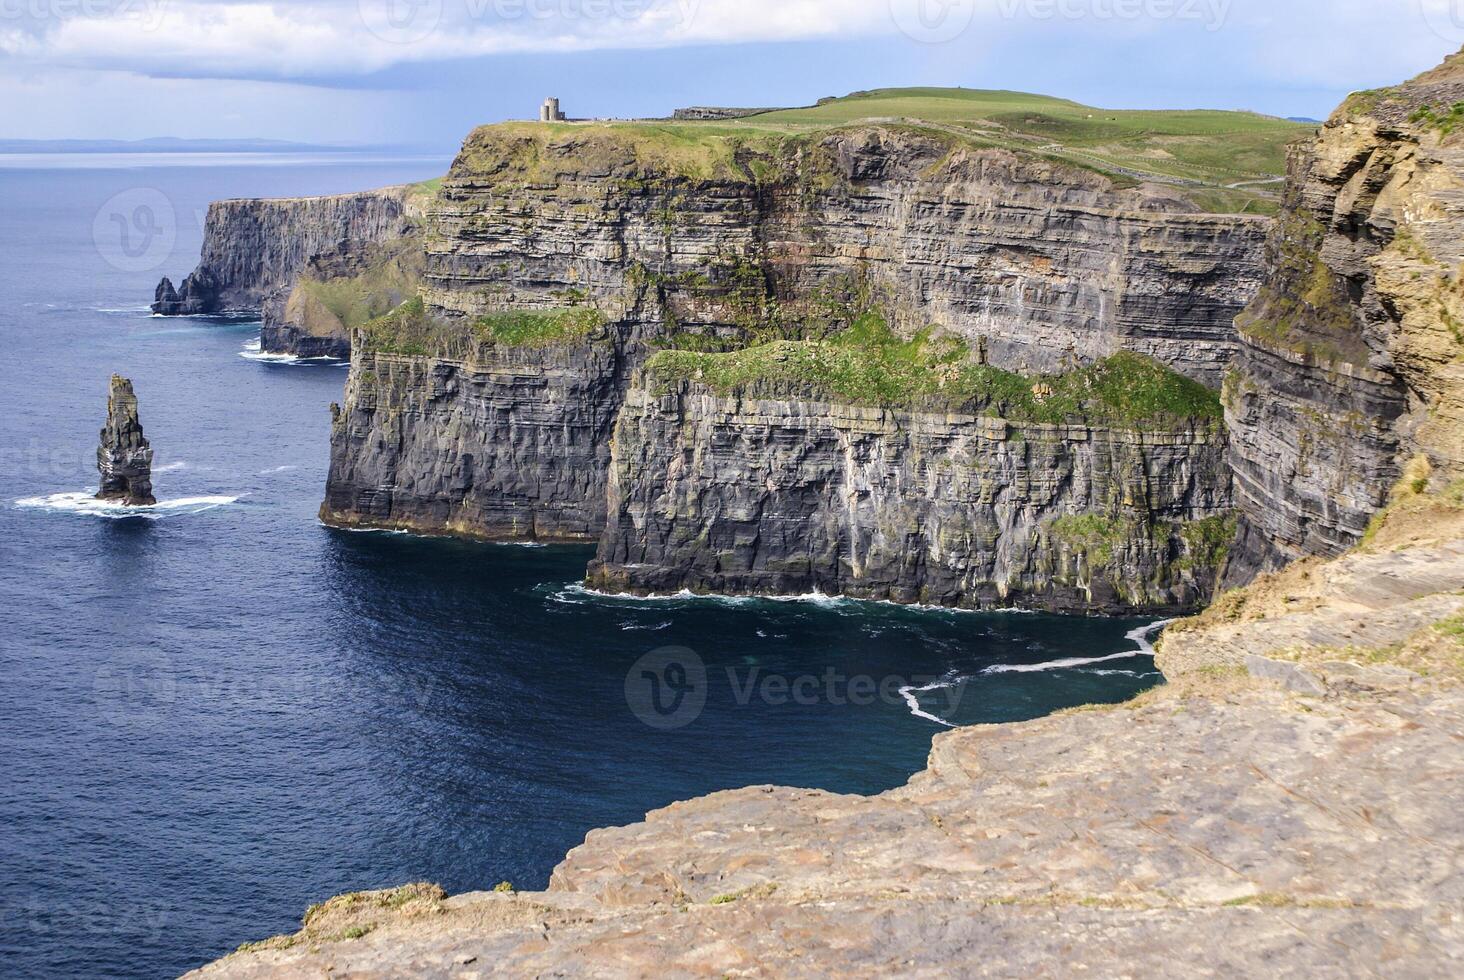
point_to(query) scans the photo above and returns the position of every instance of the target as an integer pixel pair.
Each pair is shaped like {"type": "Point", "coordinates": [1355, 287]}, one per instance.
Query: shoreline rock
{"type": "Point", "coordinates": [1293, 797]}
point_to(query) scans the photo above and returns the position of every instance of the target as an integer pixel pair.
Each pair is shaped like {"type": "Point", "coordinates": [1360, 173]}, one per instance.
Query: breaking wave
{"type": "Point", "coordinates": [86, 504]}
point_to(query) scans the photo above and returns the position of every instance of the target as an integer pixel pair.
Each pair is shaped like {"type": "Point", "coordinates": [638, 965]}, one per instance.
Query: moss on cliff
{"type": "Point", "coordinates": [353, 298]}
{"type": "Point", "coordinates": [538, 328]}
{"type": "Point", "coordinates": [1304, 308]}
{"type": "Point", "coordinates": [867, 364]}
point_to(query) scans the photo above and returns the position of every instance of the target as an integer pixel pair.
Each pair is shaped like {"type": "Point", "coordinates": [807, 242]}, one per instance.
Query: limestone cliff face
{"type": "Point", "coordinates": [1042, 265]}
{"type": "Point", "coordinates": [1350, 359]}
{"type": "Point", "coordinates": [1031, 264]}
{"type": "Point", "coordinates": [254, 249]}
{"type": "Point", "coordinates": [488, 442]}
{"type": "Point", "coordinates": [773, 496]}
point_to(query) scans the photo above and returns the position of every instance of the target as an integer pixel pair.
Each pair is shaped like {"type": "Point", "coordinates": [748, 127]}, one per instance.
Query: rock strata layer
{"type": "Point", "coordinates": [1039, 264]}
{"type": "Point", "coordinates": [124, 457]}
{"type": "Point", "coordinates": [502, 443]}
{"type": "Point", "coordinates": [747, 495]}
{"type": "Point", "coordinates": [1352, 356]}
{"type": "Point", "coordinates": [1029, 264]}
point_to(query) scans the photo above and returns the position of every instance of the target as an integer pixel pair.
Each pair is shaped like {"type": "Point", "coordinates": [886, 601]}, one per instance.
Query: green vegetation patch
{"type": "Point", "coordinates": [1207, 542]}
{"type": "Point", "coordinates": [409, 330]}
{"type": "Point", "coordinates": [1095, 535]}
{"type": "Point", "coordinates": [1441, 119]}
{"type": "Point", "coordinates": [538, 328]}
{"type": "Point", "coordinates": [1214, 148]}
{"type": "Point", "coordinates": [388, 281]}
{"type": "Point", "coordinates": [405, 330]}
{"type": "Point", "coordinates": [1310, 312]}
{"type": "Point", "coordinates": [867, 364]}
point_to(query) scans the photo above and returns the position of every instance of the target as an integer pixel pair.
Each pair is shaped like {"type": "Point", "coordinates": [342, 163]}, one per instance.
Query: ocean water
{"type": "Point", "coordinates": [218, 711]}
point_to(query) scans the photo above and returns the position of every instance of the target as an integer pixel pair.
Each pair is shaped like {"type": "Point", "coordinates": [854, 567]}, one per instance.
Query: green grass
{"type": "Point", "coordinates": [867, 364]}
{"type": "Point", "coordinates": [409, 330]}
{"type": "Point", "coordinates": [1207, 541]}
{"type": "Point", "coordinates": [1443, 119]}
{"type": "Point", "coordinates": [381, 288]}
{"type": "Point", "coordinates": [538, 328]}
{"type": "Point", "coordinates": [1214, 147]}
{"type": "Point", "coordinates": [1095, 535]}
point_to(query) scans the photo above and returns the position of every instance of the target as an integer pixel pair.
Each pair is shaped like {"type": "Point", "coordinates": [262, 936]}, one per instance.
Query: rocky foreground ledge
{"type": "Point", "coordinates": [1293, 799]}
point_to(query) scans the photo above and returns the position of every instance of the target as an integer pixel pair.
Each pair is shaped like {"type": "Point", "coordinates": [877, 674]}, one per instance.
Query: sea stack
{"type": "Point", "coordinates": [124, 456]}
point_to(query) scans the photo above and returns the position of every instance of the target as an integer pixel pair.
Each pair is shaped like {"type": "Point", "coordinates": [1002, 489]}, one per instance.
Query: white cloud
{"type": "Point", "coordinates": [317, 39]}
{"type": "Point", "coordinates": [1301, 41]}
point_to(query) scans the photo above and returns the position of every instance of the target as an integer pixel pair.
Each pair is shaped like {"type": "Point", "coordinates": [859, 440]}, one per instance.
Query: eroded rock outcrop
{"type": "Point", "coordinates": [338, 291]}
{"type": "Point", "coordinates": [124, 457]}
{"type": "Point", "coordinates": [1352, 356]}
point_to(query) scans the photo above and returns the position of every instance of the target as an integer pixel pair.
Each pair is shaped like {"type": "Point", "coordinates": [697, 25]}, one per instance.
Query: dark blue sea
{"type": "Point", "coordinates": [218, 712]}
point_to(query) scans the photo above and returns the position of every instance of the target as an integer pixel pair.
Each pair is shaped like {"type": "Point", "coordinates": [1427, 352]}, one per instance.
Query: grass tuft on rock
{"type": "Point", "coordinates": [868, 364]}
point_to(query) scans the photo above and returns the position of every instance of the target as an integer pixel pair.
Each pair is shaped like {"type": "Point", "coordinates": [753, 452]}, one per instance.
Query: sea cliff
{"type": "Point", "coordinates": [562, 261]}
{"type": "Point", "coordinates": [739, 494]}
{"type": "Point", "coordinates": [1349, 362]}
{"type": "Point", "coordinates": [1289, 799]}
{"type": "Point", "coordinates": [255, 252]}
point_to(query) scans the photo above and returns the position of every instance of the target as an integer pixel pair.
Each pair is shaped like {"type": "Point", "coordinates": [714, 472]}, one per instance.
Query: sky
{"type": "Point", "coordinates": [423, 72]}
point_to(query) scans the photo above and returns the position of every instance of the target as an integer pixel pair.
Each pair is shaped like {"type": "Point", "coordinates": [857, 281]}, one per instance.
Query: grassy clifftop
{"type": "Point", "coordinates": [1226, 161]}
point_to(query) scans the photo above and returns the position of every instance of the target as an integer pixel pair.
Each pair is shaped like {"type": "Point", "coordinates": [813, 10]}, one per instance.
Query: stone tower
{"type": "Point", "coordinates": [549, 111]}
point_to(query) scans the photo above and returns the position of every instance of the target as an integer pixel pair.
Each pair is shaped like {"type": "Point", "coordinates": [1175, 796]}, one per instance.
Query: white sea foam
{"type": "Point", "coordinates": [1139, 636]}
{"type": "Point", "coordinates": [254, 351]}
{"type": "Point", "coordinates": [277, 469]}
{"type": "Point", "coordinates": [170, 467]}
{"type": "Point", "coordinates": [86, 504]}
{"type": "Point", "coordinates": [579, 592]}
{"type": "Point", "coordinates": [910, 693]}
{"type": "Point", "coordinates": [654, 627]}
